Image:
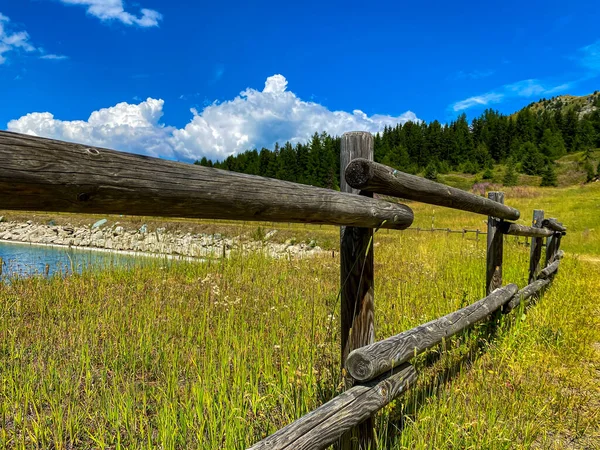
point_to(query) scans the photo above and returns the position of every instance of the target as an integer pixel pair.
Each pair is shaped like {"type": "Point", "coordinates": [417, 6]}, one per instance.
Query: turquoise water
{"type": "Point", "coordinates": [28, 259]}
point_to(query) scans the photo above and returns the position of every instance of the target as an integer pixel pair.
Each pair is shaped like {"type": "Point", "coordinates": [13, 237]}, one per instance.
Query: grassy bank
{"type": "Point", "coordinates": [218, 355]}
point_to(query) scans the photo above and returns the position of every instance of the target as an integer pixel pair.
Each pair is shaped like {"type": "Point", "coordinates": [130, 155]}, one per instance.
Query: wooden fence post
{"type": "Point", "coordinates": [493, 279]}
{"type": "Point", "coordinates": [552, 245]}
{"type": "Point", "coordinates": [550, 249]}
{"type": "Point", "coordinates": [535, 251]}
{"type": "Point", "coordinates": [356, 264]}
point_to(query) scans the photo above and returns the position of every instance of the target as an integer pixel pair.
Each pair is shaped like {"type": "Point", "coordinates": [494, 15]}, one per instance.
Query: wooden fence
{"type": "Point", "coordinates": [39, 174]}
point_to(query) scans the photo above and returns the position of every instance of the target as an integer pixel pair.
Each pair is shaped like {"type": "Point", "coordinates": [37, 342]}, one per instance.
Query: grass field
{"type": "Point", "coordinates": [569, 170]}
{"type": "Point", "coordinates": [218, 355]}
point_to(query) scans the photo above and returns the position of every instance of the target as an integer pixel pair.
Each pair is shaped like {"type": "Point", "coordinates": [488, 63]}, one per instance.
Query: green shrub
{"type": "Point", "coordinates": [589, 172]}
{"type": "Point", "coordinates": [549, 176]}
{"type": "Point", "coordinates": [443, 167]}
{"type": "Point", "coordinates": [510, 176]}
{"type": "Point", "coordinates": [468, 167]}
{"type": "Point", "coordinates": [431, 172]}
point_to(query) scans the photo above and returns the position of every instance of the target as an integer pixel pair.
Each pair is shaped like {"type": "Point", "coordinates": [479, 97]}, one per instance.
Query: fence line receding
{"type": "Point", "coordinates": [38, 174]}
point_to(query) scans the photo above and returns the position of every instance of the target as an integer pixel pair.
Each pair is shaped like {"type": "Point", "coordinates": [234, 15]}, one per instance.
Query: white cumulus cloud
{"type": "Point", "coordinates": [126, 127]}
{"type": "Point", "coordinates": [253, 119]}
{"type": "Point", "coordinates": [115, 10]}
{"type": "Point", "coordinates": [256, 118]}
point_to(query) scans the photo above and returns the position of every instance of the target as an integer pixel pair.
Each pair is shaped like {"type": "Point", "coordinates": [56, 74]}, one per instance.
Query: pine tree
{"type": "Point", "coordinates": [552, 145]}
{"type": "Point", "coordinates": [587, 137]}
{"type": "Point", "coordinates": [462, 142]}
{"type": "Point", "coordinates": [329, 169]}
{"type": "Point", "coordinates": [431, 172]}
{"type": "Point", "coordinates": [510, 176]}
{"type": "Point", "coordinates": [589, 172]}
{"type": "Point", "coordinates": [287, 168]}
{"type": "Point", "coordinates": [397, 158]}
{"type": "Point", "coordinates": [569, 130]}
{"type": "Point", "coordinates": [252, 162]}
{"type": "Point", "coordinates": [302, 161]}
{"type": "Point", "coordinates": [549, 176]}
{"type": "Point", "coordinates": [481, 157]}
{"type": "Point", "coordinates": [533, 161]}
{"type": "Point", "coordinates": [525, 126]}
{"type": "Point", "coordinates": [204, 162]}
{"type": "Point", "coordinates": [266, 163]}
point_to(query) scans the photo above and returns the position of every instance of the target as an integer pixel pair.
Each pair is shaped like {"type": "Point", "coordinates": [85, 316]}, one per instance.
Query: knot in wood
{"type": "Point", "coordinates": [83, 197]}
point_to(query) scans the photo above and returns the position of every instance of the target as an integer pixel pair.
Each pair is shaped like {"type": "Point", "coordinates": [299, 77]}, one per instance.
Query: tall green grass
{"type": "Point", "coordinates": [219, 355]}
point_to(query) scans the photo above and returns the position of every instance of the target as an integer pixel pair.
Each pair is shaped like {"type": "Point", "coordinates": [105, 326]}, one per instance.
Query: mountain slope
{"type": "Point", "coordinates": [583, 104]}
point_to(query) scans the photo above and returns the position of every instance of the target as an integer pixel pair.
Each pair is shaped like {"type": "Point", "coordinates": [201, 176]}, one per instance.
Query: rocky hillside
{"type": "Point", "coordinates": [583, 104]}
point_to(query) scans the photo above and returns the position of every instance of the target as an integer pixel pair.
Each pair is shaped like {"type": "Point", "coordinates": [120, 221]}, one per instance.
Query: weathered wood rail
{"type": "Point", "coordinates": [372, 360]}
{"type": "Point", "coordinates": [48, 175]}
{"type": "Point", "coordinates": [39, 174]}
{"type": "Point", "coordinates": [374, 177]}
{"type": "Point", "coordinates": [327, 423]}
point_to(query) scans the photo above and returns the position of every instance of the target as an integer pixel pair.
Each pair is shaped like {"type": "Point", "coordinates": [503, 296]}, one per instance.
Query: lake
{"type": "Point", "coordinates": [30, 259]}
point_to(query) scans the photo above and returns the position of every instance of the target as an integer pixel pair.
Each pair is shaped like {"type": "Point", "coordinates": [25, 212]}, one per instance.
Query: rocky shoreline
{"type": "Point", "coordinates": [158, 242]}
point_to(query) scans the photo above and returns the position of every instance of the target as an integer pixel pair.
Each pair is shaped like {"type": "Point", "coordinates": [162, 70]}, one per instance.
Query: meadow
{"type": "Point", "coordinates": [221, 354]}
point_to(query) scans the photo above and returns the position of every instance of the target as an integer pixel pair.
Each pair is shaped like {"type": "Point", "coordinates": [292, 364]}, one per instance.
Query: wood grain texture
{"type": "Point", "coordinates": [525, 293]}
{"type": "Point", "coordinates": [550, 270]}
{"type": "Point", "coordinates": [39, 174]}
{"type": "Point", "coordinates": [326, 424]}
{"type": "Point", "coordinates": [558, 237]}
{"type": "Point", "coordinates": [357, 281]}
{"type": "Point", "coordinates": [514, 229]}
{"type": "Point", "coordinates": [368, 362]}
{"type": "Point", "coordinates": [554, 225]}
{"type": "Point", "coordinates": [495, 248]}
{"type": "Point", "coordinates": [374, 177]}
{"type": "Point", "coordinates": [535, 251]}
{"type": "Point", "coordinates": [552, 243]}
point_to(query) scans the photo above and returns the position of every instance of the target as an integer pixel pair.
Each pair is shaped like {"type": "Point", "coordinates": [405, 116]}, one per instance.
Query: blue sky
{"type": "Point", "coordinates": [183, 79]}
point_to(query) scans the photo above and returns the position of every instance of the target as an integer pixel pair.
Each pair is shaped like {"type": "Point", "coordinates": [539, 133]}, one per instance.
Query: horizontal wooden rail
{"type": "Point", "coordinates": [374, 177]}
{"type": "Point", "coordinates": [514, 229]}
{"type": "Point", "coordinates": [554, 224]}
{"type": "Point", "coordinates": [326, 424]}
{"type": "Point", "coordinates": [525, 293]}
{"type": "Point", "coordinates": [39, 174]}
{"type": "Point", "coordinates": [549, 270]}
{"type": "Point", "coordinates": [372, 360]}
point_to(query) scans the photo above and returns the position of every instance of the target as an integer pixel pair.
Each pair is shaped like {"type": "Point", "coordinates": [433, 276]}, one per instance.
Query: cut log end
{"type": "Point", "coordinates": [404, 219]}
{"type": "Point", "coordinates": [359, 366]}
{"type": "Point", "coordinates": [358, 173]}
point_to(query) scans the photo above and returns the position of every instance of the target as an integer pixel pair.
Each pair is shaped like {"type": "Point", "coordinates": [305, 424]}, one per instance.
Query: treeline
{"type": "Point", "coordinates": [528, 142]}
{"type": "Point", "coordinates": [316, 162]}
